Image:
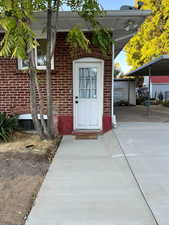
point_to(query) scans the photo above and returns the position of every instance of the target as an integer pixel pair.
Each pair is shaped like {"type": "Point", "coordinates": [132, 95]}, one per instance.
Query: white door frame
{"type": "Point", "coordinates": [100, 88]}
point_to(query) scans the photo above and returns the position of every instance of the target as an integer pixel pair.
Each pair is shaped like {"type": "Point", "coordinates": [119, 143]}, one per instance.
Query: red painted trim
{"type": "Point", "coordinates": [159, 79]}
{"type": "Point", "coordinates": [107, 123]}
{"type": "Point", "coordinates": [65, 124]}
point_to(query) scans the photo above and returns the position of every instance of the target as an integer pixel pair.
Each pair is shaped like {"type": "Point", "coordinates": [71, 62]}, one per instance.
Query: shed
{"type": "Point", "coordinates": [124, 91]}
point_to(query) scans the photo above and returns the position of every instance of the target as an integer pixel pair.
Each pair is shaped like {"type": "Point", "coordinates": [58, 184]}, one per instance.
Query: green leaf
{"type": "Point", "coordinates": [77, 39]}
{"type": "Point", "coordinates": [152, 40]}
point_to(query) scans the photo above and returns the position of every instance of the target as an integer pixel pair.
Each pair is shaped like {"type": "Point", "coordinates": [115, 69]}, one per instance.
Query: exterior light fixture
{"type": "Point", "coordinates": [130, 25]}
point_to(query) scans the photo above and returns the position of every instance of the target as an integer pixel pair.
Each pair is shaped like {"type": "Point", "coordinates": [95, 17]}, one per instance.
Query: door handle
{"type": "Point", "coordinates": [76, 97]}
{"type": "Point", "coordinates": [76, 102]}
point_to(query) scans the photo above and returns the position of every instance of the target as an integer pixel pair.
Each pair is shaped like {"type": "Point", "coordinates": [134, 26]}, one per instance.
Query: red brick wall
{"type": "Point", "coordinates": [14, 88]}
{"type": "Point", "coordinates": [14, 85]}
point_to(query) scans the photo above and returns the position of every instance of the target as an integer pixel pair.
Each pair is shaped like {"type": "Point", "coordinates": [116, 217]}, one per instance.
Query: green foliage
{"type": "Point", "coordinates": [117, 70]}
{"type": "Point", "coordinates": [102, 38]}
{"type": "Point", "coordinates": [8, 125]}
{"type": "Point", "coordinates": [16, 18]}
{"type": "Point", "coordinates": [153, 38]}
{"type": "Point", "coordinates": [77, 39]}
{"type": "Point", "coordinates": [89, 10]}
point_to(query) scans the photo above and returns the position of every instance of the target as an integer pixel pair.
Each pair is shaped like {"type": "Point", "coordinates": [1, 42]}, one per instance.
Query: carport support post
{"type": "Point", "coordinates": [112, 86]}
{"type": "Point", "coordinates": [128, 92]}
{"type": "Point", "coordinates": [149, 74]}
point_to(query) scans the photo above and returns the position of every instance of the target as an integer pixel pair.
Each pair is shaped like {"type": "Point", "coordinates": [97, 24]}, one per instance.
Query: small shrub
{"type": "Point", "coordinates": [122, 103]}
{"type": "Point", "coordinates": [140, 100]}
{"type": "Point", "coordinates": [166, 103]}
{"type": "Point", "coordinates": [160, 96]}
{"type": "Point", "coordinates": [8, 124]}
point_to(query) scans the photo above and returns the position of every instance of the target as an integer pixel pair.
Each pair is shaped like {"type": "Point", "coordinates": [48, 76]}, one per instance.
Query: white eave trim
{"type": "Point", "coordinates": [109, 13]}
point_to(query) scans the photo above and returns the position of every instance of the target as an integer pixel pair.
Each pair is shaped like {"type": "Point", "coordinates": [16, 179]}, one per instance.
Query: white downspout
{"type": "Point", "coordinates": [112, 106]}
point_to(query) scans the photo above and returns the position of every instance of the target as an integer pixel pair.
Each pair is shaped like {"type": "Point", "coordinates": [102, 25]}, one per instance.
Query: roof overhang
{"type": "Point", "coordinates": [123, 23]}
{"type": "Point", "coordinates": [124, 79]}
{"type": "Point", "coordinates": [115, 20]}
{"type": "Point", "coordinates": [158, 67]}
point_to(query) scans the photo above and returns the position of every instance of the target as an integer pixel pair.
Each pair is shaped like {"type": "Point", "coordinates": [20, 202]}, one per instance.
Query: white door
{"type": "Point", "coordinates": [88, 95]}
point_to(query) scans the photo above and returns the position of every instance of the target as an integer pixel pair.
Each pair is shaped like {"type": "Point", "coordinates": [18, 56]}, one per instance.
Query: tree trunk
{"type": "Point", "coordinates": [33, 102]}
{"type": "Point", "coordinates": [51, 42]}
{"type": "Point", "coordinates": [41, 107]}
{"type": "Point", "coordinates": [50, 123]}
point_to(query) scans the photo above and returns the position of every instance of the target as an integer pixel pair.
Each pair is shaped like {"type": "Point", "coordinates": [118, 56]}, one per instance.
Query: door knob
{"type": "Point", "coordinates": [76, 97]}
{"type": "Point", "coordinates": [76, 102]}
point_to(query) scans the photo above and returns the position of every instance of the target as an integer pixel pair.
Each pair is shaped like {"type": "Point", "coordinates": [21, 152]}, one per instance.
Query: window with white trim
{"type": "Point", "coordinates": [40, 57]}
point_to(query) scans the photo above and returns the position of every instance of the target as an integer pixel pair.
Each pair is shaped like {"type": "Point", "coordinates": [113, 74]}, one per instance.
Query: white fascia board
{"type": "Point", "coordinates": [68, 15]}
{"type": "Point", "coordinates": [109, 13]}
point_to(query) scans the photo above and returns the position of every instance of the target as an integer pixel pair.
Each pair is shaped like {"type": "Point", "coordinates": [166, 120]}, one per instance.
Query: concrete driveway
{"type": "Point", "coordinates": [146, 146]}
{"type": "Point", "coordinates": [140, 113]}
{"type": "Point", "coordinates": [90, 183]}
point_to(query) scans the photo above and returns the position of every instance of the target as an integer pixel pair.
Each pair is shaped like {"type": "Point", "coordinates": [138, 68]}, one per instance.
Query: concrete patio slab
{"type": "Point", "coordinates": [89, 183]}
{"type": "Point", "coordinates": [146, 146]}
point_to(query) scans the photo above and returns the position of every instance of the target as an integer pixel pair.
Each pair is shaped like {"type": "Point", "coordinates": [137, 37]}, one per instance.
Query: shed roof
{"type": "Point", "coordinates": [124, 79]}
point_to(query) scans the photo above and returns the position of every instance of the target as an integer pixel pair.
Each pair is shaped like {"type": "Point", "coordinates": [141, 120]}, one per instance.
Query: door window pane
{"type": "Point", "coordinates": [87, 83]}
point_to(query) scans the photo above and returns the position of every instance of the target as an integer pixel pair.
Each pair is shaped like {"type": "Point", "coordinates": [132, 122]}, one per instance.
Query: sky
{"type": "Point", "coordinates": [116, 4]}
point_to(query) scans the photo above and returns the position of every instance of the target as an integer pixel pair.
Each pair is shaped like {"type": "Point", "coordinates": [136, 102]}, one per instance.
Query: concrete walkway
{"type": "Point", "coordinates": [146, 146]}
{"type": "Point", "coordinates": [89, 183]}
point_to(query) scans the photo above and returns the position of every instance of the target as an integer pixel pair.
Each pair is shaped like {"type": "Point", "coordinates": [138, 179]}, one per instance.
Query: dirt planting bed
{"type": "Point", "coordinates": [24, 163]}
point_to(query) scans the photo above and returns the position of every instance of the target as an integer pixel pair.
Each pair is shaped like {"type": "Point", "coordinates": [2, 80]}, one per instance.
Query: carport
{"type": "Point", "coordinates": [157, 67]}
